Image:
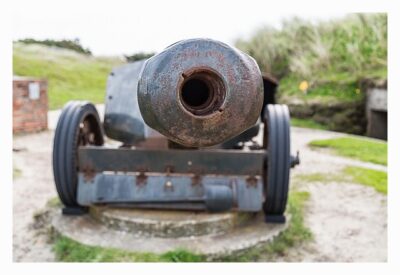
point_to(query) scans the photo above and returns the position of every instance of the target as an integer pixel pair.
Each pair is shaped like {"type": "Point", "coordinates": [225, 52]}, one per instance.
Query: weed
{"type": "Point", "coordinates": [359, 148]}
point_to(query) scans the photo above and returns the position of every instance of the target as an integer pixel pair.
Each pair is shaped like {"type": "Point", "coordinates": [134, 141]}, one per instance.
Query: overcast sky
{"type": "Point", "coordinates": [117, 27]}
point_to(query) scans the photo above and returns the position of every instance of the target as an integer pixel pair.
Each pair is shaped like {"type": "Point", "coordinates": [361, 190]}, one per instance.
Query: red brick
{"type": "Point", "coordinates": [29, 115]}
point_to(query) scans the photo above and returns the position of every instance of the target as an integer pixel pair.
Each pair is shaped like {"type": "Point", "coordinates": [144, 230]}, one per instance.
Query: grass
{"type": "Point", "coordinates": [322, 177]}
{"type": "Point", "coordinates": [307, 123]}
{"type": "Point", "coordinates": [367, 150]}
{"type": "Point", "coordinates": [297, 231]}
{"type": "Point", "coordinates": [68, 250]}
{"type": "Point", "coordinates": [294, 235]}
{"type": "Point", "coordinates": [368, 177]}
{"type": "Point", "coordinates": [70, 75]}
{"type": "Point", "coordinates": [16, 173]}
{"type": "Point", "coordinates": [322, 91]}
{"type": "Point", "coordinates": [363, 176]}
{"type": "Point", "coordinates": [54, 203]}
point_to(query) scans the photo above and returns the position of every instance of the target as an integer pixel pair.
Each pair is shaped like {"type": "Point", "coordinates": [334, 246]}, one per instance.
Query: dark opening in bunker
{"type": "Point", "coordinates": [377, 124]}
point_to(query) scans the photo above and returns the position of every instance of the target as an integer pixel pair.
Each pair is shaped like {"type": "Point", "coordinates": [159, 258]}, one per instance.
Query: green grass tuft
{"type": "Point", "coordinates": [322, 177]}
{"type": "Point", "coordinates": [294, 235]}
{"type": "Point", "coordinates": [325, 91]}
{"type": "Point", "coordinates": [359, 148]}
{"type": "Point", "coordinates": [297, 232]}
{"type": "Point", "coordinates": [70, 75]}
{"type": "Point", "coordinates": [54, 203]}
{"type": "Point", "coordinates": [368, 177]}
{"type": "Point", "coordinates": [363, 176]}
{"type": "Point", "coordinates": [307, 123]}
{"type": "Point", "coordinates": [68, 250]}
{"type": "Point", "coordinates": [182, 255]}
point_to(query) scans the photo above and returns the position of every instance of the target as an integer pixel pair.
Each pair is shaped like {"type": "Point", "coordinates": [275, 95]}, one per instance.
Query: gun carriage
{"type": "Point", "coordinates": [187, 120]}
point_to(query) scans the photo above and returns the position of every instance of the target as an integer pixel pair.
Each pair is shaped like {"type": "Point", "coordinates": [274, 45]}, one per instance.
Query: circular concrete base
{"type": "Point", "coordinates": [168, 223]}
{"type": "Point", "coordinates": [155, 231]}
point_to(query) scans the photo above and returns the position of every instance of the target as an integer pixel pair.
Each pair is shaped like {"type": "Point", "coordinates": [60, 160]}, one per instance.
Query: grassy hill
{"type": "Point", "coordinates": [332, 56]}
{"type": "Point", "coordinates": [70, 75]}
{"type": "Point", "coordinates": [324, 67]}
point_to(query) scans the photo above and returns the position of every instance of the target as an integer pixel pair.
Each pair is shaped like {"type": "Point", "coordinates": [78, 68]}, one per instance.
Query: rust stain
{"type": "Point", "coordinates": [88, 173]}
{"type": "Point", "coordinates": [141, 179]}
{"type": "Point", "coordinates": [251, 181]}
{"type": "Point", "coordinates": [196, 179]}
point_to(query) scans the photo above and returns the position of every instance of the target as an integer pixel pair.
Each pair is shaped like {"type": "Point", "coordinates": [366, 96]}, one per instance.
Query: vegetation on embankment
{"type": "Point", "coordinates": [307, 123]}
{"type": "Point", "coordinates": [363, 149]}
{"type": "Point", "coordinates": [74, 45]}
{"type": "Point", "coordinates": [331, 58]}
{"type": "Point", "coordinates": [70, 75]}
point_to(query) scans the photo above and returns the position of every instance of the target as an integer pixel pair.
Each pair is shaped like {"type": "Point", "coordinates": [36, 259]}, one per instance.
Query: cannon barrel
{"type": "Point", "coordinates": [200, 92]}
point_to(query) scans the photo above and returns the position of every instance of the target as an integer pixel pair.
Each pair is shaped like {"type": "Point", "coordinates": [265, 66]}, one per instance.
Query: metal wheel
{"type": "Point", "coordinates": [78, 125]}
{"type": "Point", "coordinates": [278, 161]}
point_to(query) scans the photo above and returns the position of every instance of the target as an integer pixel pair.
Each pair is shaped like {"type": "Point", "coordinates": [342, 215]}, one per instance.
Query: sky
{"type": "Point", "coordinates": [118, 27]}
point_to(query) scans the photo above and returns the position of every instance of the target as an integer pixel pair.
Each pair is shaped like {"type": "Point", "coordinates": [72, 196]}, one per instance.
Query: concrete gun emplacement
{"type": "Point", "coordinates": [187, 120]}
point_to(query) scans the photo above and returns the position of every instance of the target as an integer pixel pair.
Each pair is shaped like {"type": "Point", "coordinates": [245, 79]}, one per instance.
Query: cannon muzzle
{"type": "Point", "coordinates": [200, 92]}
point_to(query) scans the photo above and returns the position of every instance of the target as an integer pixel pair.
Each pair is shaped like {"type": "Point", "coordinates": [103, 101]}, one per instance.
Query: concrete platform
{"type": "Point", "coordinates": [169, 224]}
{"type": "Point", "coordinates": [213, 235]}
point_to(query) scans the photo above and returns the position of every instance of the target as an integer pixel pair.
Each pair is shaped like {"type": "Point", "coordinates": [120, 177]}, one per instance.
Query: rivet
{"type": "Point", "coordinates": [168, 184]}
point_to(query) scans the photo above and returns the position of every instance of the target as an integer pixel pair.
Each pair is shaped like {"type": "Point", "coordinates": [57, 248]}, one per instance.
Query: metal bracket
{"type": "Point", "coordinates": [295, 160]}
{"type": "Point", "coordinates": [214, 193]}
{"type": "Point", "coordinates": [74, 211]}
{"type": "Point", "coordinates": [275, 219]}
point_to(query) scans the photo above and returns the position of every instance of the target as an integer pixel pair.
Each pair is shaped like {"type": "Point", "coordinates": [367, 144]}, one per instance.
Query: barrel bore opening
{"type": "Point", "coordinates": [195, 93]}
{"type": "Point", "coordinates": [202, 92]}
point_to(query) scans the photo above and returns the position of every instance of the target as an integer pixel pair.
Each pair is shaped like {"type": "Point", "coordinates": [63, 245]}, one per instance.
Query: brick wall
{"type": "Point", "coordinates": [30, 105]}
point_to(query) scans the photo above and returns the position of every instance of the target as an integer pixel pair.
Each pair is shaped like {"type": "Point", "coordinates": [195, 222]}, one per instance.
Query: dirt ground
{"type": "Point", "coordinates": [348, 221]}
{"type": "Point", "coordinates": [31, 190]}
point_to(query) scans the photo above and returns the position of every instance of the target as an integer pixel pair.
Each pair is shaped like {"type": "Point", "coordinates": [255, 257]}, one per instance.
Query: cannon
{"type": "Point", "coordinates": [183, 128]}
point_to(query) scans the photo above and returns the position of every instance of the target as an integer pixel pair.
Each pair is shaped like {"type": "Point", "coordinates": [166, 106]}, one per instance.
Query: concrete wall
{"type": "Point", "coordinates": [30, 105]}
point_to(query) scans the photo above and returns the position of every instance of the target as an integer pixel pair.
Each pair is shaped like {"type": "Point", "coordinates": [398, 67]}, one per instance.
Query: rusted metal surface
{"type": "Point", "coordinates": [200, 92]}
{"type": "Point", "coordinates": [197, 162]}
{"type": "Point", "coordinates": [154, 140]}
{"type": "Point", "coordinates": [214, 193]}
